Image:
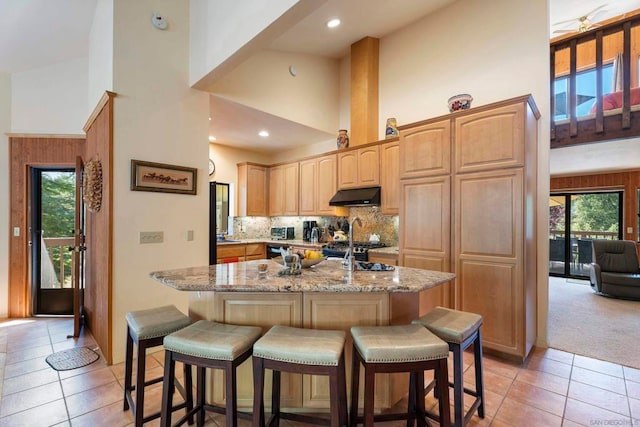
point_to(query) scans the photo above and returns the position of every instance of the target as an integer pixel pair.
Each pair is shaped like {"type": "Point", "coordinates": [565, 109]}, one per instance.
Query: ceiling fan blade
{"type": "Point", "coordinates": [594, 12]}
{"type": "Point", "coordinates": [567, 21]}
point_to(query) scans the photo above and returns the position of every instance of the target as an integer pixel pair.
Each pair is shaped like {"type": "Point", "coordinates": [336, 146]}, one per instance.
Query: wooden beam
{"type": "Point", "coordinates": [364, 91]}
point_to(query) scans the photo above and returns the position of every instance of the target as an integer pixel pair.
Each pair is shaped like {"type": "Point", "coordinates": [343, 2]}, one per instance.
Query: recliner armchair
{"type": "Point", "coordinates": [615, 271]}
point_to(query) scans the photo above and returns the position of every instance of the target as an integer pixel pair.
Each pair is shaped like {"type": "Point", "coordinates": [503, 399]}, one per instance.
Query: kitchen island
{"type": "Point", "coordinates": [324, 296]}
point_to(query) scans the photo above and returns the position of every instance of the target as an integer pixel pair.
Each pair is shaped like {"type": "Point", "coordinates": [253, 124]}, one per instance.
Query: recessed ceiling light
{"type": "Point", "coordinates": [333, 23]}
{"type": "Point", "coordinates": [212, 138]}
{"type": "Point", "coordinates": [209, 118]}
{"type": "Point", "coordinates": [263, 133]}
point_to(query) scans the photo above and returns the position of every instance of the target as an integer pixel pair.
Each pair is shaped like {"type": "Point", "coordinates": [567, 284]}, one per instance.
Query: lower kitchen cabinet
{"type": "Point", "coordinates": [237, 252]}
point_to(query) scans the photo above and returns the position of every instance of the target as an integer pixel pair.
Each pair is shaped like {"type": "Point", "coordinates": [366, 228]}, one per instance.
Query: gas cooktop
{"type": "Point", "coordinates": [360, 249]}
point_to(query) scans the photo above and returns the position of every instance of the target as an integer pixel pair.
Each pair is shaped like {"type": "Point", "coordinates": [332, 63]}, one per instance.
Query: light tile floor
{"type": "Point", "coordinates": [553, 388]}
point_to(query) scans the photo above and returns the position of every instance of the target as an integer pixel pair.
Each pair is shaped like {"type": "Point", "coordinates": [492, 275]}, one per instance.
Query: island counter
{"type": "Point", "coordinates": [323, 297]}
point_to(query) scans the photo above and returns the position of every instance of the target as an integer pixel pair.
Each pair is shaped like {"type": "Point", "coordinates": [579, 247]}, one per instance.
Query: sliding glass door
{"type": "Point", "coordinates": [574, 220]}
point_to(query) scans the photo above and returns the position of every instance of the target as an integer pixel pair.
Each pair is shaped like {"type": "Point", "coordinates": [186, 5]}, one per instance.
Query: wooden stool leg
{"type": "Point", "coordinates": [413, 394]}
{"type": "Point", "coordinates": [418, 391]}
{"type": "Point", "coordinates": [231, 406]}
{"type": "Point", "coordinates": [167, 387]}
{"type": "Point", "coordinates": [342, 392]}
{"type": "Point", "coordinates": [477, 352]}
{"type": "Point", "coordinates": [355, 385]}
{"type": "Point", "coordinates": [334, 398]}
{"type": "Point", "coordinates": [200, 378]}
{"type": "Point", "coordinates": [128, 368]}
{"type": "Point", "coordinates": [140, 371]}
{"type": "Point", "coordinates": [275, 399]}
{"type": "Point", "coordinates": [458, 386]}
{"type": "Point", "coordinates": [188, 390]}
{"type": "Point", "coordinates": [443, 393]}
{"type": "Point", "coordinates": [369, 395]}
{"type": "Point", "coordinates": [258, 392]}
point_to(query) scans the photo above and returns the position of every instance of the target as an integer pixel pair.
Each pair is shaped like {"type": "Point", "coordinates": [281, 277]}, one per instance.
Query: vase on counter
{"type": "Point", "coordinates": [392, 128]}
{"type": "Point", "coordinates": [343, 139]}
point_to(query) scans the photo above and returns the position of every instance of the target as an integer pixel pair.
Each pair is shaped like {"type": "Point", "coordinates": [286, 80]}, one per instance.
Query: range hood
{"type": "Point", "coordinates": [369, 196]}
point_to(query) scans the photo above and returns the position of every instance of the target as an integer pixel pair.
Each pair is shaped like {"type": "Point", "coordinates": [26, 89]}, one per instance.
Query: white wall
{"type": "Point", "coordinates": [493, 50]}
{"type": "Point", "coordinates": [50, 100]}
{"type": "Point", "coordinates": [226, 31]}
{"type": "Point", "coordinates": [157, 117]}
{"type": "Point", "coordinates": [227, 158]}
{"type": "Point", "coordinates": [100, 53]}
{"type": "Point", "coordinates": [263, 82]}
{"type": "Point", "coordinates": [5, 126]}
{"type": "Point", "coordinates": [601, 157]}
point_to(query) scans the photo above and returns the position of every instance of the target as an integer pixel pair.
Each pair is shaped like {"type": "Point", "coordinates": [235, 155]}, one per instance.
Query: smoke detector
{"type": "Point", "coordinates": [158, 21]}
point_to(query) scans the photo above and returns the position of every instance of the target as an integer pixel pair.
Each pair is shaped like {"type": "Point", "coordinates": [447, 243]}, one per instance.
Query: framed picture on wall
{"type": "Point", "coordinates": [163, 178]}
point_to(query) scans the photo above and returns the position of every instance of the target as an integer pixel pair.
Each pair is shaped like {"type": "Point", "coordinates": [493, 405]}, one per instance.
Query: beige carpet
{"type": "Point", "coordinates": [582, 322]}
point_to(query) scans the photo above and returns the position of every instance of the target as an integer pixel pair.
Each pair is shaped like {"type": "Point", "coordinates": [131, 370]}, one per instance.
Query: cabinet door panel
{"type": "Point", "coordinates": [291, 189]}
{"type": "Point", "coordinates": [390, 178]}
{"type": "Point", "coordinates": [348, 169]}
{"type": "Point", "coordinates": [369, 166]}
{"type": "Point", "coordinates": [309, 187]}
{"type": "Point", "coordinates": [500, 134]}
{"type": "Point", "coordinates": [325, 311]}
{"type": "Point", "coordinates": [425, 215]}
{"type": "Point", "coordinates": [426, 150]}
{"type": "Point", "coordinates": [265, 310]}
{"type": "Point", "coordinates": [327, 185]}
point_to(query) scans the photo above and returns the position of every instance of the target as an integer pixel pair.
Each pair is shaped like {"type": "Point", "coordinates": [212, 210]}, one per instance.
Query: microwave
{"type": "Point", "coordinates": [282, 233]}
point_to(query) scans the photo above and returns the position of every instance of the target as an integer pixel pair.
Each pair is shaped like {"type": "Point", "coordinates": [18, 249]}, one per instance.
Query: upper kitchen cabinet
{"type": "Point", "coordinates": [390, 178]}
{"type": "Point", "coordinates": [252, 189]}
{"type": "Point", "coordinates": [499, 132]}
{"type": "Point", "coordinates": [359, 167]}
{"type": "Point", "coordinates": [425, 150]}
{"type": "Point", "coordinates": [283, 189]}
{"type": "Point", "coordinates": [318, 185]}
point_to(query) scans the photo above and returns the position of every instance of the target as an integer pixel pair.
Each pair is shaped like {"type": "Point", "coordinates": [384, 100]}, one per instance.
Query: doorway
{"type": "Point", "coordinates": [574, 220]}
{"type": "Point", "coordinates": [51, 239]}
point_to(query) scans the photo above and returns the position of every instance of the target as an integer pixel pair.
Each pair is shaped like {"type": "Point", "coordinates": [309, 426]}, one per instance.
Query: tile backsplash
{"type": "Point", "coordinates": [373, 222]}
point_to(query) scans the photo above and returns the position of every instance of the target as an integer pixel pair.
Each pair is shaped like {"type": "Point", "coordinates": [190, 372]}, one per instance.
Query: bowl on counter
{"type": "Point", "coordinates": [306, 263]}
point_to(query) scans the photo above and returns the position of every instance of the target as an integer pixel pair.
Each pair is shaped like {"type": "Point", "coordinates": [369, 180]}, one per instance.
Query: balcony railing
{"type": "Point", "coordinates": [559, 234]}
{"type": "Point", "coordinates": [59, 257]}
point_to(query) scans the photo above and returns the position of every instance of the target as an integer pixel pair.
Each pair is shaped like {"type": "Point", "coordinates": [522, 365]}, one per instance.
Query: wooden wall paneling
{"type": "Point", "coordinates": [27, 151]}
{"type": "Point", "coordinates": [99, 230]}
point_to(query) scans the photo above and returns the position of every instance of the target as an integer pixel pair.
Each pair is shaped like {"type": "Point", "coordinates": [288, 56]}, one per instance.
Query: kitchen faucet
{"type": "Point", "coordinates": [349, 261]}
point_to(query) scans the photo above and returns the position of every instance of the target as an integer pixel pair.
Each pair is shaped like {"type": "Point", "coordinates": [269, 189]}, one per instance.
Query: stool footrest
{"type": "Point", "coordinates": [301, 418]}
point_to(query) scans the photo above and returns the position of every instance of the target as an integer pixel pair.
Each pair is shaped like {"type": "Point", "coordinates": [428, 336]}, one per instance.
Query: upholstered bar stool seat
{"type": "Point", "coordinates": [403, 348]}
{"type": "Point", "coordinates": [147, 329]}
{"type": "Point", "coordinates": [204, 345]}
{"type": "Point", "coordinates": [459, 329]}
{"type": "Point", "coordinates": [306, 351]}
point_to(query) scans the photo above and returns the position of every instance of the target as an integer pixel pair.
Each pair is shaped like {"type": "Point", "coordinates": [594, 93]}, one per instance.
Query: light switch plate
{"type": "Point", "coordinates": [151, 237]}
{"type": "Point", "coordinates": [189, 235]}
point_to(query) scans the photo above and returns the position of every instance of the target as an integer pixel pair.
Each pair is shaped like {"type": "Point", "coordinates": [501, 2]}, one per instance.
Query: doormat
{"type": "Point", "coordinates": [72, 358]}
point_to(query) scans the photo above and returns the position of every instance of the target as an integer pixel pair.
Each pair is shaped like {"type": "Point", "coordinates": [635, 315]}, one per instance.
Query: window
{"type": "Point", "coordinates": [585, 88]}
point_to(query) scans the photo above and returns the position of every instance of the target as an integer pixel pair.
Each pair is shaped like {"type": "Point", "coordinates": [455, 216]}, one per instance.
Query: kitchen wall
{"type": "Point", "coordinates": [158, 118]}
{"type": "Point", "coordinates": [5, 126]}
{"type": "Point", "coordinates": [373, 222]}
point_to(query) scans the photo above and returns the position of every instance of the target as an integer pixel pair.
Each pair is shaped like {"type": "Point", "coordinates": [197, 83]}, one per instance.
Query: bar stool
{"type": "Point", "coordinates": [459, 329]}
{"type": "Point", "coordinates": [403, 348]}
{"type": "Point", "coordinates": [147, 328]}
{"type": "Point", "coordinates": [205, 345]}
{"type": "Point", "coordinates": [305, 351]}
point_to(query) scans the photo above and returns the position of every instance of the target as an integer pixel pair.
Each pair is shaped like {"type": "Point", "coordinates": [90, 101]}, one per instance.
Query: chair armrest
{"type": "Point", "coordinates": [595, 278]}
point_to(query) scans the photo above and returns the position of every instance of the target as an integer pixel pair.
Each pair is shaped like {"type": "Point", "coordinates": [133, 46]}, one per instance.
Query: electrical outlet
{"type": "Point", "coordinates": [151, 237]}
{"type": "Point", "coordinates": [16, 231]}
{"type": "Point", "coordinates": [629, 230]}
{"type": "Point", "coordinates": [189, 235]}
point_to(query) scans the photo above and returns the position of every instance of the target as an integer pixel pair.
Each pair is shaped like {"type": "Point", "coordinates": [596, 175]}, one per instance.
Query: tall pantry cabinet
{"type": "Point", "coordinates": [468, 191]}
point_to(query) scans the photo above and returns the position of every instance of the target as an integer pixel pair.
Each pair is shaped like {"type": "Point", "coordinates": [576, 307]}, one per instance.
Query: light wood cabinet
{"type": "Point", "coordinates": [252, 190]}
{"type": "Point", "coordinates": [318, 185]}
{"type": "Point", "coordinates": [264, 310]}
{"type": "Point", "coordinates": [465, 210]}
{"type": "Point", "coordinates": [359, 167]}
{"type": "Point", "coordinates": [390, 178]}
{"type": "Point", "coordinates": [240, 252]}
{"type": "Point", "coordinates": [283, 189]}
{"type": "Point", "coordinates": [425, 150]}
{"type": "Point", "coordinates": [389, 259]}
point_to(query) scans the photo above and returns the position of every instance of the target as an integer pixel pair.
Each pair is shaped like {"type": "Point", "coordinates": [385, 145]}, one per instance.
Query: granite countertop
{"type": "Point", "coordinates": [390, 250]}
{"type": "Point", "coordinates": [300, 243]}
{"type": "Point", "coordinates": [328, 276]}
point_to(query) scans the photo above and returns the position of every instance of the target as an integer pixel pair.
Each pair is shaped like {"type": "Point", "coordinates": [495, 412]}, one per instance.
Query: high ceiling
{"type": "Point", "coordinates": [37, 33]}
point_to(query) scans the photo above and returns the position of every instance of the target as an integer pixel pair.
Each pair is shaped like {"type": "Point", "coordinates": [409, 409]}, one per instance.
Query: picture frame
{"type": "Point", "coordinates": [163, 178]}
